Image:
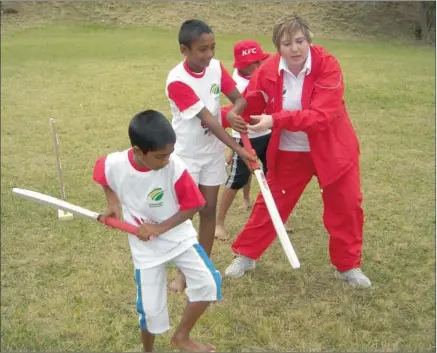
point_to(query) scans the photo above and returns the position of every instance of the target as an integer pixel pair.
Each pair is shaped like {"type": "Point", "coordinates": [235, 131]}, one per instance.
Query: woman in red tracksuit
{"type": "Point", "coordinates": [298, 93]}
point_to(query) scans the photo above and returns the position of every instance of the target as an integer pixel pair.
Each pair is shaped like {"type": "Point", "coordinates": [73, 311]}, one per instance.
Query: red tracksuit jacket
{"type": "Point", "coordinates": [333, 142]}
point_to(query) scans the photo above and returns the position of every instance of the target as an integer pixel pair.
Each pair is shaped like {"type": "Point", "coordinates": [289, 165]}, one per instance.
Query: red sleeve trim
{"type": "Point", "coordinates": [99, 175]}
{"type": "Point", "coordinates": [227, 83]}
{"type": "Point", "coordinates": [187, 192]}
{"type": "Point", "coordinates": [182, 94]}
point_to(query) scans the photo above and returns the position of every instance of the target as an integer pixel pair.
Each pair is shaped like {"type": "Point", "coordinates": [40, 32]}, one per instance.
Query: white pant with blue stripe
{"type": "Point", "coordinates": [203, 284]}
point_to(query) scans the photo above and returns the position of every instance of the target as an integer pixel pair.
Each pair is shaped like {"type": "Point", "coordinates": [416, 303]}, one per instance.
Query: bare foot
{"type": "Point", "coordinates": [220, 232]}
{"type": "Point", "coordinates": [289, 228]}
{"type": "Point", "coordinates": [189, 345]}
{"type": "Point", "coordinates": [246, 205]}
{"type": "Point", "coordinates": [178, 284]}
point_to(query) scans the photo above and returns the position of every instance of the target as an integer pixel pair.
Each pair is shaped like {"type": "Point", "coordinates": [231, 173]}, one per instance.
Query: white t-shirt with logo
{"type": "Point", "coordinates": [242, 83]}
{"type": "Point", "coordinates": [188, 94]}
{"type": "Point", "coordinates": [153, 197]}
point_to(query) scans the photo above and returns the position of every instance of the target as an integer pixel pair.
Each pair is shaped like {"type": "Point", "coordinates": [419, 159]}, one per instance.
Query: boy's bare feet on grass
{"type": "Point", "coordinates": [220, 232]}
{"type": "Point", "coordinates": [186, 344]}
{"type": "Point", "coordinates": [181, 338]}
{"type": "Point", "coordinates": [178, 284]}
{"type": "Point", "coordinates": [247, 205]}
{"type": "Point", "coordinates": [288, 228]}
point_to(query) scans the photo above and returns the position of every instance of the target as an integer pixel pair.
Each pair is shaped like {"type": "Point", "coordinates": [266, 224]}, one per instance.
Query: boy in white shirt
{"type": "Point", "coordinates": [157, 193]}
{"type": "Point", "coordinates": [193, 89]}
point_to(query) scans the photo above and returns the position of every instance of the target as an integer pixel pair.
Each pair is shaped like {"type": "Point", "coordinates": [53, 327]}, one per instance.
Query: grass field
{"type": "Point", "coordinates": [70, 287]}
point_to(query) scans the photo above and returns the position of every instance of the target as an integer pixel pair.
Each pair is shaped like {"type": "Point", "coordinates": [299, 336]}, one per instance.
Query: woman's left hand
{"type": "Point", "coordinates": [263, 122]}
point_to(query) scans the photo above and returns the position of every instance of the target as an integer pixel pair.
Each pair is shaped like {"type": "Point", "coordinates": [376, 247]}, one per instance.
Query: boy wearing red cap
{"type": "Point", "coordinates": [248, 56]}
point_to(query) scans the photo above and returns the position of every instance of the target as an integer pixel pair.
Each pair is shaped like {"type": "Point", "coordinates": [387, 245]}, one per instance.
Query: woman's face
{"type": "Point", "coordinates": [294, 49]}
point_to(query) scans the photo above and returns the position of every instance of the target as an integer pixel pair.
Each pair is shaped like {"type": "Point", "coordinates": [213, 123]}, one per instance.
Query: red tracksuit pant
{"type": "Point", "coordinates": [342, 215]}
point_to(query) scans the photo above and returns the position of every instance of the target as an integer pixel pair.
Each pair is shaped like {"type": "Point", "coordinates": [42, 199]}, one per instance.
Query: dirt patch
{"type": "Point", "coordinates": [335, 20]}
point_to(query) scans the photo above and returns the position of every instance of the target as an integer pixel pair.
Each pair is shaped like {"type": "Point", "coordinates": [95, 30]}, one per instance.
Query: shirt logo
{"type": "Point", "coordinates": [215, 89]}
{"type": "Point", "coordinates": [155, 196]}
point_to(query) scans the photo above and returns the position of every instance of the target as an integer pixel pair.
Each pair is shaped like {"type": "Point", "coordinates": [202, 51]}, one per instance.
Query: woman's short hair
{"type": "Point", "coordinates": [290, 25]}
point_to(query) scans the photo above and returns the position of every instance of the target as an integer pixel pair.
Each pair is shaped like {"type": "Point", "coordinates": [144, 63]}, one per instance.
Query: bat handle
{"type": "Point", "coordinates": [248, 146]}
{"type": "Point", "coordinates": [117, 224]}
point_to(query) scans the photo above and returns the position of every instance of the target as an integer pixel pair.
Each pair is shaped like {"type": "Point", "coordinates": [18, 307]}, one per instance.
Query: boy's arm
{"type": "Point", "coordinates": [255, 105]}
{"type": "Point", "coordinates": [190, 201]}
{"type": "Point", "coordinates": [99, 176]}
{"type": "Point", "coordinates": [113, 207]}
{"type": "Point", "coordinates": [224, 112]}
{"type": "Point", "coordinates": [178, 218]}
{"type": "Point", "coordinates": [239, 104]}
{"type": "Point", "coordinates": [219, 131]}
{"type": "Point", "coordinates": [233, 112]}
{"type": "Point", "coordinates": [191, 106]}
{"type": "Point", "coordinates": [229, 89]}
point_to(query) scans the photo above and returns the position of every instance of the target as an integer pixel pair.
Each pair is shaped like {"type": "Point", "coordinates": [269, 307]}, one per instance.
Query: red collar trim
{"type": "Point", "coordinates": [191, 73]}
{"type": "Point", "coordinates": [130, 156]}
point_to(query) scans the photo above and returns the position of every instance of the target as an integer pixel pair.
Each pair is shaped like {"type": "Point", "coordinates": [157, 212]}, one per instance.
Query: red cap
{"type": "Point", "coordinates": [247, 52]}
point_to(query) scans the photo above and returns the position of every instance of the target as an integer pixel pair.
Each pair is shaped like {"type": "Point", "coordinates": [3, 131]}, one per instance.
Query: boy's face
{"type": "Point", "coordinates": [153, 160]}
{"type": "Point", "coordinates": [250, 69]}
{"type": "Point", "coordinates": [201, 52]}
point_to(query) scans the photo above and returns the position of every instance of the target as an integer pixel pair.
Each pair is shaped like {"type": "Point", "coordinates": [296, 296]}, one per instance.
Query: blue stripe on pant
{"type": "Point", "coordinates": [211, 268]}
{"type": "Point", "coordinates": [140, 308]}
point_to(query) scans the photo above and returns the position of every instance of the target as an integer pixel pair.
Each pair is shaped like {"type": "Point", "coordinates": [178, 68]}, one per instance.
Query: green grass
{"type": "Point", "coordinates": [69, 286]}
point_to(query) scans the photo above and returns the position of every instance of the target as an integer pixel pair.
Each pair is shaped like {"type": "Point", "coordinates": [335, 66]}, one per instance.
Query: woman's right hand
{"type": "Point", "coordinates": [262, 122]}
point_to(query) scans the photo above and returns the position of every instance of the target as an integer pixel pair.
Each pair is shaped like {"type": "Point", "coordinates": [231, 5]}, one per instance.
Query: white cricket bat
{"type": "Point", "coordinates": [62, 215]}
{"type": "Point", "coordinates": [271, 207]}
{"type": "Point", "coordinates": [77, 210]}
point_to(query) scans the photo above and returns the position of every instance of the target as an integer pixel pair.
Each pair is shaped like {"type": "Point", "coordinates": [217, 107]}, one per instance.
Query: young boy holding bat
{"type": "Point", "coordinates": [193, 90]}
{"type": "Point", "coordinates": [157, 193]}
{"type": "Point", "coordinates": [248, 55]}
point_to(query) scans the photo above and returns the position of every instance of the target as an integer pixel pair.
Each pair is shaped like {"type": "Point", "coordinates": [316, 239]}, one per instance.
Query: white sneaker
{"type": "Point", "coordinates": [354, 277]}
{"type": "Point", "coordinates": [239, 266]}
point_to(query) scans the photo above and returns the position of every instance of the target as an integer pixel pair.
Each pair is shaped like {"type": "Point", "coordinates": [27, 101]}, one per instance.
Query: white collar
{"type": "Point", "coordinates": [306, 67]}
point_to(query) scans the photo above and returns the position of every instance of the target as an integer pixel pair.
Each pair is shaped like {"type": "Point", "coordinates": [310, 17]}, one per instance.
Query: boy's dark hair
{"type": "Point", "coordinates": [191, 30]}
{"type": "Point", "coordinates": [150, 130]}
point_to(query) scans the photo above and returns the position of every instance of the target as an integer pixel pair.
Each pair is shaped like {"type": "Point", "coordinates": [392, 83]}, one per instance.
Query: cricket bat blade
{"type": "Point", "coordinates": [276, 220]}
{"type": "Point", "coordinates": [67, 207]}
{"type": "Point", "coordinates": [272, 209]}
